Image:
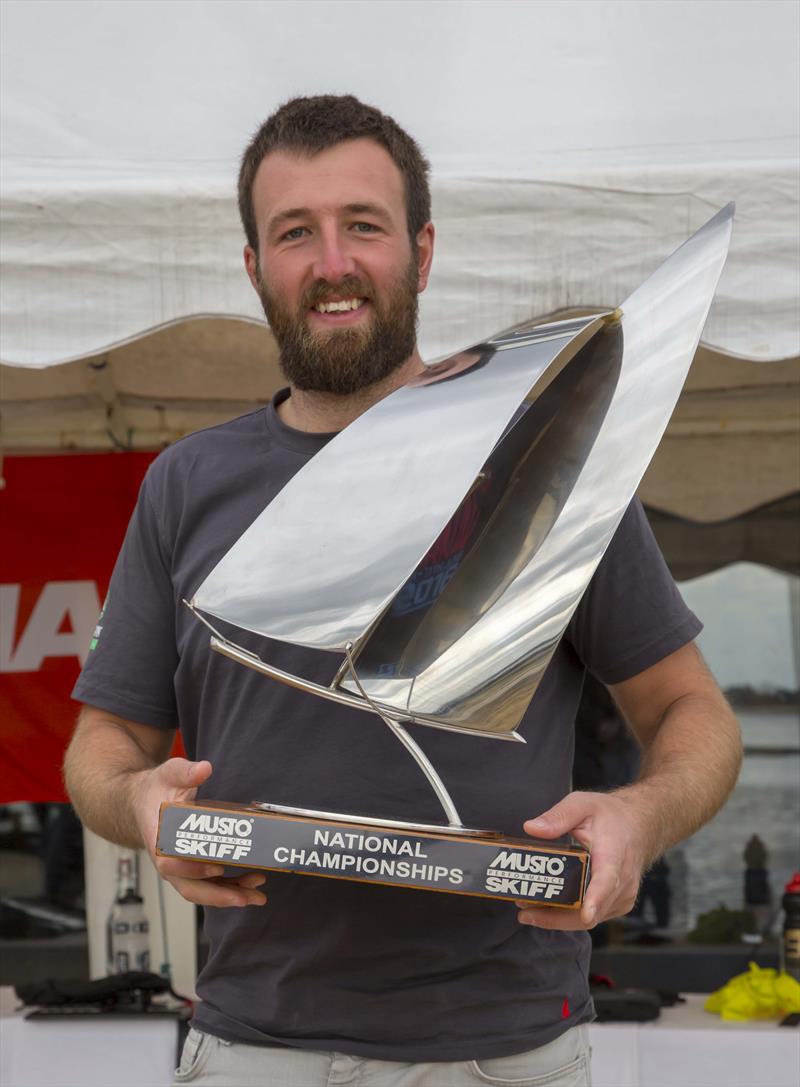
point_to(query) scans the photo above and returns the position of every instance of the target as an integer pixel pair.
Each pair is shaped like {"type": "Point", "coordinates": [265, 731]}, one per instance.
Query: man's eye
{"type": "Point", "coordinates": [293, 234]}
{"type": "Point", "coordinates": [365, 228]}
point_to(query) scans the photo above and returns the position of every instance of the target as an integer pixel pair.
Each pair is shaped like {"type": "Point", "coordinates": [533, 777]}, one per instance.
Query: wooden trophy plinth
{"type": "Point", "coordinates": [419, 856]}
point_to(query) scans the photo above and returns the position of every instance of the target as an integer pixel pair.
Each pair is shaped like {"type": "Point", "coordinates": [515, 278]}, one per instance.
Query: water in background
{"type": "Point", "coordinates": [708, 868]}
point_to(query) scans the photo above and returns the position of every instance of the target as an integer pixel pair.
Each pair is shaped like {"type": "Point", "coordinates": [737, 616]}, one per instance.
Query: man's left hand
{"type": "Point", "coordinates": [607, 825]}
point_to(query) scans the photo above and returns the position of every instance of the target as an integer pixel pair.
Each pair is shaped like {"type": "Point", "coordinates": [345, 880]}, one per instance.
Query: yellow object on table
{"type": "Point", "coordinates": [758, 994]}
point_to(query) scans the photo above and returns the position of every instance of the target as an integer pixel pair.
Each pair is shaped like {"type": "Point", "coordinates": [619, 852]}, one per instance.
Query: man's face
{"type": "Point", "coordinates": [336, 272]}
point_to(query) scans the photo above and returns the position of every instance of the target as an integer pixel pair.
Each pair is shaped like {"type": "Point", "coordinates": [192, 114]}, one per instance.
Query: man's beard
{"type": "Point", "coordinates": [345, 360]}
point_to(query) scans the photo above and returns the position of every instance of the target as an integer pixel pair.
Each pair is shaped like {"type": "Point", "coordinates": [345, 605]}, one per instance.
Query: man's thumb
{"type": "Point", "coordinates": [187, 775]}
{"type": "Point", "coordinates": [558, 820]}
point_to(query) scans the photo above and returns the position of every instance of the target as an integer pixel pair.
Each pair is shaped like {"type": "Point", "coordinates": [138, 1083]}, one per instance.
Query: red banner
{"type": "Point", "coordinates": [63, 519]}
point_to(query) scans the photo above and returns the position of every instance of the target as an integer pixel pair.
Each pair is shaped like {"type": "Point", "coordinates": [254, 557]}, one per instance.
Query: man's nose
{"type": "Point", "coordinates": [333, 261]}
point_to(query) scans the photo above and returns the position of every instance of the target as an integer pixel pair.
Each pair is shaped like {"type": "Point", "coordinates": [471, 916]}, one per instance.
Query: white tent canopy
{"type": "Point", "coordinates": [573, 144]}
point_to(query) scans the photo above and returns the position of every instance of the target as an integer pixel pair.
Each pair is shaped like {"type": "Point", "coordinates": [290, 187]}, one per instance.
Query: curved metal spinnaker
{"type": "Point", "coordinates": [358, 517]}
{"type": "Point", "coordinates": [494, 667]}
{"type": "Point", "coordinates": [503, 520]}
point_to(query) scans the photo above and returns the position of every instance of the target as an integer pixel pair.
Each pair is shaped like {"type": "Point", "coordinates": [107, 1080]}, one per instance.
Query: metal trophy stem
{"type": "Point", "coordinates": [416, 752]}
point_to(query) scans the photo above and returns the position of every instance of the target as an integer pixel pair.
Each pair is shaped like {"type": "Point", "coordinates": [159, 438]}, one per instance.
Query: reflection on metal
{"type": "Point", "coordinates": [450, 531]}
{"type": "Point", "coordinates": [220, 644]}
{"type": "Point", "coordinates": [391, 824]}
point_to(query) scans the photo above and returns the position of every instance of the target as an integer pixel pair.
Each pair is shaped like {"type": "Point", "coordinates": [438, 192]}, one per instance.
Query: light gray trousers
{"type": "Point", "coordinates": [209, 1062]}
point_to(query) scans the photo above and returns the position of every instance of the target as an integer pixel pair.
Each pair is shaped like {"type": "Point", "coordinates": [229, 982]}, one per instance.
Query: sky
{"type": "Point", "coordinates": [747, 638]}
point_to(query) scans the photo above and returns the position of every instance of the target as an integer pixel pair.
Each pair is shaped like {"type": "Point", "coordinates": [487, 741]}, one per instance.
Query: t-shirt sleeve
{"type": "Point", "coordinates": [131, 664]}
{"type": "Point", "coordinates": [632, 615]}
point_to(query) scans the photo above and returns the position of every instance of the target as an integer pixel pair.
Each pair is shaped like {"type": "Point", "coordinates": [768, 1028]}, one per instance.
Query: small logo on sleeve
{"type": "Point", "coordinates": [98, 630]}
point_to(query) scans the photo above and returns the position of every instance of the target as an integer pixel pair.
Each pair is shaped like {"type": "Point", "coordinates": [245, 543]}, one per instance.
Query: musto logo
{"type": "Point", "coordinates": [222, 836]}
{"type": "Point", "coordinates": [526, 875]}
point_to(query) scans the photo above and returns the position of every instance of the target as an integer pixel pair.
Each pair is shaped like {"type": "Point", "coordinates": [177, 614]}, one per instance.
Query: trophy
{"type": "Point", "coordinates": [527, 448]}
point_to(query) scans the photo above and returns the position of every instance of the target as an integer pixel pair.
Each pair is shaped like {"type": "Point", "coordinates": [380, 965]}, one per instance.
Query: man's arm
{"type": "Point", "coordinates": [100, 767]}
{"type": "Point", "coordinates": [117, 775]}
{"type": "Point", "coordinates": [692, 753]}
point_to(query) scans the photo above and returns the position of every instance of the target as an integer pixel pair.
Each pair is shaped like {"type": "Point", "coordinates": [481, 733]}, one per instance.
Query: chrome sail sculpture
{"type": "Point", "coordinates": [526, 449]}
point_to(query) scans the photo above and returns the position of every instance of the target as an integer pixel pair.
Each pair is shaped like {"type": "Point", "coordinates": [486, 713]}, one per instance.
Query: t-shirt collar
{"type": "Point", "coordinates": [301, 441]}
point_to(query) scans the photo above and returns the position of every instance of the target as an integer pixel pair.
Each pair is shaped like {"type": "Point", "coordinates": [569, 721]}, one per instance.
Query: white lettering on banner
{"type": "Point", "coordinates": [76, 601]}
{"type": "Point", "coordinates": [9, 609]}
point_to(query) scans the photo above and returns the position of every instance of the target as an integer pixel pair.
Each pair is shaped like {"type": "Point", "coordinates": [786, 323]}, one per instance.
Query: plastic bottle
{"type": "Point", "coordinates": [790, 947]}
{"type": "Point", "coordinates": [128, 930]}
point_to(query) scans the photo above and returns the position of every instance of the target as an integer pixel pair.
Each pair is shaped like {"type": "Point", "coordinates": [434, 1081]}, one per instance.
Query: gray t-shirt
{"type": "Point", "coordinates": [376, 971]}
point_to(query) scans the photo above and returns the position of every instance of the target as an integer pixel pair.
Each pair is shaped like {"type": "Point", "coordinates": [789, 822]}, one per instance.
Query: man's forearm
{"type": "Point", "coordinates": [689, 769]}
{"type": "Point", "coordinates": [118, 773]}
{"type": "Point", "coordinates": [100, 772]}
{"type": "Point", "coordinates": [692, 754]}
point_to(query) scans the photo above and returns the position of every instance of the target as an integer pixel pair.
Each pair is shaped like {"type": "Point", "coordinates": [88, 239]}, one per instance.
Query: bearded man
{"type": "Point", "coordinates": [331, 981]}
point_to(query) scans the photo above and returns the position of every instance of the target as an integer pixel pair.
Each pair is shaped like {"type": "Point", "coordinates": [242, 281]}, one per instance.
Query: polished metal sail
{"type": "Point", "coordinates": [446, 536]}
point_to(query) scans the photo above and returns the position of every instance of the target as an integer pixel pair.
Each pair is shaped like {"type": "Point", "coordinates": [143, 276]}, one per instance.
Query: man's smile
{"type": "Point", "coordinates": [339, 306]}
{"type": "Point", "coordinates": [340, 312]}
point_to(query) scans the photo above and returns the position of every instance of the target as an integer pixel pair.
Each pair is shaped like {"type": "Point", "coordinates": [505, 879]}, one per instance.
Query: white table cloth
{"type": "Point", "coordinates": [686, 1047]}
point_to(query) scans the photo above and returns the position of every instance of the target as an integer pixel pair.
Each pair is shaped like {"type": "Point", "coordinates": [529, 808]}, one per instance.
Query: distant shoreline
{"type": "Point", "coordinates": [778, 708]}
{"type": "Point", "coordinates": [771, 750]}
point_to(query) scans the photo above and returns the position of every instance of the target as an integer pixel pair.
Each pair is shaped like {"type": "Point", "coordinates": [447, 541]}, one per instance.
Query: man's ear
{"type": "Point", "coordinates": [425, 255]}
{"type": "Point", "coordinates": [251, 264]}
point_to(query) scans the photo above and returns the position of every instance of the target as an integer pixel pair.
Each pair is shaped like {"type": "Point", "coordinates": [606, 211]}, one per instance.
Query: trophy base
{"type": "Point", "coordinates": [422, 856]}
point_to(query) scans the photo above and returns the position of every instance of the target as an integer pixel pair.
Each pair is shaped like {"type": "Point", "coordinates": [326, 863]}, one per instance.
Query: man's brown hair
{"type": "Point", "coordinates": [310, 125]}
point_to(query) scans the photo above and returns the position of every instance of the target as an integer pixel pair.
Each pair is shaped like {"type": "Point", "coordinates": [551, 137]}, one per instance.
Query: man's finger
{"type": "Point", "coordinates": [253, 879]}
{"type": "Point", "coordinates": [550, 918]}
{"type": "Point", "coordinates": [222, 893]}
{"type": "Point", "coordinates": [604, 883]}
{"type": "Point", "coordinates": [172, 868]}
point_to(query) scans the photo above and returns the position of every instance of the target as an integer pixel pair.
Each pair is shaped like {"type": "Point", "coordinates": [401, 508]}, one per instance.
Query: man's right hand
{"type": "Point", "coordinates": [196, 881]}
